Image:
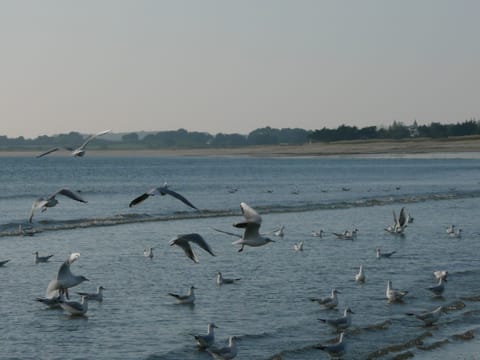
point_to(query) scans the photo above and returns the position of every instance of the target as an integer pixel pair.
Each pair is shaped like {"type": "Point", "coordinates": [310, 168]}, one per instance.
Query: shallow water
{"type": "Point", "coordinates": [269, 308]}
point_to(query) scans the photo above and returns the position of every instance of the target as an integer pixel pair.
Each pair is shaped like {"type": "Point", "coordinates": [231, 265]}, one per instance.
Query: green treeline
{"type": "Point", "coordinates": [262, 136]}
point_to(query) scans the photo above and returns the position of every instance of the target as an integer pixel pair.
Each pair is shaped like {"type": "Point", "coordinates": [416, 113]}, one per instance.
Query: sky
{"type": "Point", "coordinates": [234, 66]}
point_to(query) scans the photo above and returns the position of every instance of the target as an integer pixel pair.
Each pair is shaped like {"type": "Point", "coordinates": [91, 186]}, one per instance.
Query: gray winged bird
{"type": "Point", "coordinates": [335, 349]}
{"type": "Point", "coordinates": [251, 224]}
{"type": "Point", "coordinates": [51, 201]}
{"type": "Point", "coordinates": [184, 242]}
{"type": "Point", "coordinates": [162, 190]}
{"type": "Point", "coordinates": [205, 341]}
{"type": "Point", "coordinates": [78, 152]}
{"type": "Point", "coordinates": [64, 279]}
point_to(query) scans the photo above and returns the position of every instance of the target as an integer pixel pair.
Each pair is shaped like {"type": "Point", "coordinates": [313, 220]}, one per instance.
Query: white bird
{"type": "Point", "coordinates": [97, 296]}
{"type": "Point", "coordinates": [75, 308]}
{"type": "Point", "coordinates": [393, 294]}
{"type": "Point", "coordinates": [451, 229]}
{"type": "Point", "coordinates": [162, 190]}
{"type": "Point", "coordinates": [437, 289]}
{"type": "Point", "coordinates": [185, 299]}
{"type": "Point", "coordinates": [347, 235]}
{"type": "Point", "coordinates": [251, 236]}
{"type": "Point", "coordinates": [205, 341]}
{"type": "Point", "coordinates": [342, 322]}
{"type": "Point", "coordinates": [64, 279]}
{"type": "Point", "coordinates": [225, 353]}
{"type": "Point", "coordinates": [78, 152]}
{"type": "Point", "coordinates": [316, 233]}
{"type": "Point", "coordinates": [335, 350]}
{"type": "Point", "coordinates": [3, 262]}
{"type": "Point", "coordinates": [148, 252]}
{"type": "Point", "coordinates": [51, 201]}
{"type": "Point", "coordinates": [184, 242]}
{"type": "Point", "coordinates": [429, 317]}
{"type": "Point", "coordinates": [457, 234]}
{"type": "Point", "coordinates": [360, 276]}
{"type": "Point", "coordinates": [280, 232]}
{"type": "Point", "coordinates": [329, 302]}
{"type": "Point", "coordinates": [40, 259]}
{"type": "Point", "coordinates": [441, 274]}
{"type": "Point", "coordinates": [381, 254]}
{"type": "Point", "coordinates": [399, 224]}
{"type": "Point", "coordinates": [221, 280]}
{"type": "Point", "coordinates": [298, 247]}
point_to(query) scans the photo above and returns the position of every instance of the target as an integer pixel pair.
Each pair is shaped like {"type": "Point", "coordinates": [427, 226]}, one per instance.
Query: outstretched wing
{"type": "Point", "coordinates": [138, 200]}
{"type": "Point", "coordinates": [200, 241]}
{"type": "Point", "coordinates": [47, 152]}
{"type": "Point", "coordinates": [228, 233]}
{"type": "Point", "coordinates": [165, 190]}
{"type": "Point", "coordinates": [402, 219]}
{"type": "Point", "coordinates": [68, 193]}
{"type": "Point", "coordinates": [250, 214]}
{"type": "Point", "coordinates": [90, 138]}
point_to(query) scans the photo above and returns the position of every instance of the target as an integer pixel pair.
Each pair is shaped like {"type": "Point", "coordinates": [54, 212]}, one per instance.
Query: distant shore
{"type": "Point", "coordinates": [467, 146]}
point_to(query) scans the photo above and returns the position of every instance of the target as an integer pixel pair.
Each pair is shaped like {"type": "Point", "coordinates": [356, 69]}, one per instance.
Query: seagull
{"type": "Point", "coordinates": [383, 254]}
{"type": "Point", "coordinates": [221, 280]}
{"type": "Point", "coordinates": [451, 229]}
{"type": "Point", "coordinates": [441, 274]}
{"type": "Point", "coordinates": [457, 234]}
{"type": "Point", "coordinates": [336, 349]}
{"type": "Point", "coordinates": [40, 259]}
{"type": "Point", "coordinates": [148, 252]}
{"type": "Point", "coordinates": [75, 308]}
{"type": "Point", "coordinates": [52, 303]}
{"type": "Point", "coordinates": [429, 317]}
{"type": "Point", "coordinates": [298, 247]}
{"type": "Point", "coordinates": [342, 322]}
{"type": "Point", "coordinates": [78, 152]}
{"type": "Point", "coordinates": [329, 302]}
{"type": "Point", "coordinates": [437, 289]}
{"type": "Point", "coordinates": [394, 295]}
{"type": "Point", "coordinates": [347, 235]}
{"type": "Point", "coordinates": [162, 190]}
{"type": "Point", "coordinates": [65, 279]}
{"type": "Point", "coordinates": [205, 341]}
{"type": "Point", "coordinates": [225, 353]}
{"type": "Point", "coordinates": [51, 201]}
{"type": "Point", "coordinates": [98, 296]}
{"type": "Point", "coordinates": [184, 242]}
{"type": "Point", "coordinates": [251, 236]}
{"type": "Point", "coordinates": [316, 233]}
{"type": "Point", "coordinates": [185, 299]}
{"type": "Point", "coordinates": [400, 223]}
{"type": "Point", "coordinates": [360, 276]}
{"type": "Point", "coordinates": [3, 262]}
{"type": "Point", "coordinates": [280, 232]}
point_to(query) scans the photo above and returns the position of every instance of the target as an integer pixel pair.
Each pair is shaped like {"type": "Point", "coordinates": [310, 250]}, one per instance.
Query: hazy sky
{"type": "Point", "coordinates": [234, 66]}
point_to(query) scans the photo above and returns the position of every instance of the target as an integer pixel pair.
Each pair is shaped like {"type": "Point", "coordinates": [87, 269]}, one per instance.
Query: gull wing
{"type": "Point", "coordinates": [402, 219]}
{"type": "Point", "coordinates": [138, 199]}
{"type": "Point", "coordinates": [228, 233]}
{"type": "Point", "coordinates": [47, 152]}
{"type": "Point", "coordinates": [64, 270]}
{"type": "Point", "coordinates": [250, 214]}
{"type": "Point", "coordinates": [395, 221]}
{"type": "Point", "coordinates": [185, 245]}
{"type": "Point", "coordinates": [90, 138]}
{"type": "Point", "coordinates": [68, 193]}
{"type": "Point", "coordinates": [164, 190]}
{"type": "Point", "coordinates": [199, 240]}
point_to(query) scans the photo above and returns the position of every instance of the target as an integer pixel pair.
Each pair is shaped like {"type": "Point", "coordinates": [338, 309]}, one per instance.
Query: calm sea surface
{"type": "Point", "coordinates": [269, 309]}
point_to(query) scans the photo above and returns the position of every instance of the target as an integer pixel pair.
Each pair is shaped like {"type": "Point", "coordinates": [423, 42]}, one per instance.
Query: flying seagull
{"type": "Point", "coordinates": [251, 236]}
{"type": "Point", "coordinates": [184, 242]}
{"type": "Point", "coordinates": [64, 278]}
{"type": "Point", "coordinates": [51, 201]}
{"type": "Point", "coordinates": [162, 190]}
{"type": "Point", "coordinates": [78, 152]}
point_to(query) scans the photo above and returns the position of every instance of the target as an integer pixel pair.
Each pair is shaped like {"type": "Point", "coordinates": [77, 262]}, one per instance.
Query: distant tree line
{"type": "Point", "coordinates": [182, 138]}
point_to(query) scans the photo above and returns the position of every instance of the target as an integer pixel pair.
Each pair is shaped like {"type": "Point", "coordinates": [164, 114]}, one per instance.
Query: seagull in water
{"type": "Point", "coordinates": [451, 229]}
{"type": "Point", "coordinates": [347, 235]}
{"type": "Point", "coordinates": [437, 289]}
{"type": "Point", "coordinates": [337, 349]}
{"type": "Point", "coordinates": [393, 294]}
{"type": "Point", "coordinates": [3, 262]}
{"type": "Point", "coordinates": [360, 276]}
{"type": "Point", "coordinates": [75, 308]}
{"type": "Point", "coordinates": [64, 279]}
{"type": "Point", "coordinates": [342, 322]}
{"type": "Point", "coordinates": [457, 234]}
{"type": "Point", "coordinates": [381, 254]}
{"type": "Point", "coordinates": [98, 296]}
{"type": "Point", "coordinates": [400, 223]}
{"type": "Point", "coordinates": [329, 302]}
{"type": "Point", "coordinates": [148, 252]}
{"type": "Point", "coordinates": [298, 247]}
{"type": "Point", "coordinates": [162, 190]}
{"type": "Point", "coordinates": [251, 235]}
{"type": "Point", "coordinates": [51, 201]}
{"type": "Point", "coordinates": [316, 233]}
{"type": "Point", "coordinates": [225, 353]}
{"type": "Point", "coordinates": [280, 232]}
{"type": "Point", "coordinates": [441, 274]}
{"type": "Point", "coordinates": [185, 299]}
{"type": "Point", "coordinates": [184, 242]}
{"type": "Point", "coordinates": [205, 341]}
{"type": "Point", "coordinates": [40, 259]}
{"type": "Point", "coordinates": [221, 280]}
{"type": "Point", "coordinates": [429, 317]}
{"type": "Point", "coordinates": [78, 152]}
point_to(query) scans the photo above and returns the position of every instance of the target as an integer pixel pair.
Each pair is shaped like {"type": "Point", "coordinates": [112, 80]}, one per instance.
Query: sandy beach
{"type": "Point", "coordinates": [467, 146]}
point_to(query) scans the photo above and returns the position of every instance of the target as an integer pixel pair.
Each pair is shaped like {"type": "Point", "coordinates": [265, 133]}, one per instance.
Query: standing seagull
{"type": "Point", "coordinates": [40, 259]}
{"type": "Point", "coordinates": [51, 201]}
{"type": "Point", "coordinates": [162, 190]}
{"type": "Point", "coordinates": [78, 152]}
{"type": "Point", "coordinates": [329, 302]}
{"type": "Point", "coordinates": [185, 299]}
{"type": "Point", "coordinates": [393, 294]}
{"type": "Point", "coordinates": [221, 280]}
{"type": "Point", "coordinates": [360, 276]}
{"type": "Point", "coordinates": [429, 317]}
{"type": "Point", "coordinates": [225, 353]}
{"type": "Point", "coordinates": [381, 254]}
{"type": "Point", "coordinates": [335, 350]}
{"type": "Point", "coordinates": [205, 341]}
{"type": "Point", "coordinates": [184, 242]}
{"type": "Point", "coordinates": [342, 322]}
{"type": "Point", "coordinates": [251, 236]}
{"type": "Point", "coordinates": [65, 279]}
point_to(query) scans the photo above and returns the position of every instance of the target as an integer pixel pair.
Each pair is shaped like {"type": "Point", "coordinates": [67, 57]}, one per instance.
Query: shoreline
{"type": "Point", "coordinates": [464, 147]}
